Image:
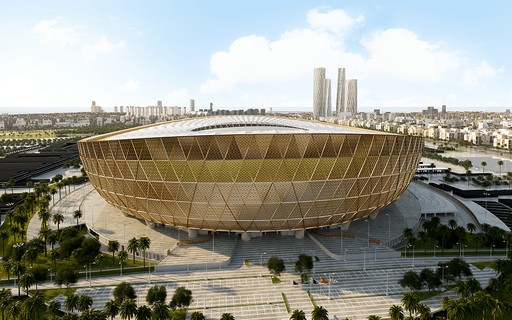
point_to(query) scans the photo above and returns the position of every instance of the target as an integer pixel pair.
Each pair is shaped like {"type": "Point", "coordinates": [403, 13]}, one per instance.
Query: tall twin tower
{"type": "Point", "coordinates": [346, 96]}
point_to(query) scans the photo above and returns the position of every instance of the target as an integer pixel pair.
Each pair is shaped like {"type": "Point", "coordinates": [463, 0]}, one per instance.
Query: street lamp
{"type": "Point", "coordinates": [50, 272]}
{"type": "Point", "coordinates": [346, 254]}
{"type": "Point", "coordinates": [120, 269]}
{"type": "Point", "coordinates": [389, 227]}
{"type": "Point", "coordinates": [261, 257]}
{"type": "Point", "coordinates": [368, 221]}
{"type": "Point", "coordinates": [412, 255]}
{"type": "Point", "coordinates": [491, 249]}
{"type": "Point", "coordinates": [435, 250]}
{"type": "Point", "coordinates": [364, 258]}
{"type": "Point", "coordinates": [387, 281]}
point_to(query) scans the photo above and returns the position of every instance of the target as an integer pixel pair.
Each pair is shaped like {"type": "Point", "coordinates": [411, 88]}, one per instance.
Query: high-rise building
{"type": "Point", "coordinates": [340, 95]}
{"type": "Point", "coordinates": [328, 104]}
{"type": "Point", "coordinates": [351, 100]}
{"type": "Point", "coordinates": [443, 108]}
{"type": "Point", "coordinates": [319, 92]}
{"type": "Point", "coordinates": [192, 105]}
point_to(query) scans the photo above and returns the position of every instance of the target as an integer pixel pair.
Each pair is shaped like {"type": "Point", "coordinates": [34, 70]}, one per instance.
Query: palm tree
{"type": "Point", "coordinates": [471, 227]}
{"type": "Point", "coordinates": [44, 215]}
{"type": "Point", "coordinates": [17, 268]}
{"type": "Point", "coordinates": [410, 302]}
{"type": "Point", "coordinates": [83, 303]}
{"type": "Point", "coordinates": [143, 313]}
{"type": "Point", "coordinates": [484, 301]}
{"type": "Point", "coordinates": [122, 256]}
{"type": "Point", "coordinates": [53, 192]}
{"type": "Point", "coordinates": [296, 315]}
{"type": "Point", "coordinates": [111, 309]}
{"type": "Point", "coordinates": [54, 309]}
{"type": "Point", "coordinates": [144, 243]}
{"type": "Point", "coordinates": [52, 238]}
{"type": "Point", "coordinates": [424, 311]}
{"type": "Point", "coordinates": [34, 307]}
{"type": "Point", "coordinates": [4, 235]}
{"type": "Point", "coordinates": [70, 303]}
{"type": "Point", "coordinates": [396, 312]}
{"type": "Point", "coordinates": [160, 311]}
{"type": "Point", "coordinates": [128, 309]}
{"type": "Point", "coordinates": [29, 184]}
{"type": "Point", "coordinates": [227, 316]}
{"type": "Point", "coordinates": [113, 246]}
{"type": "Point", "coordinates": [27, 280]}
{"type": "Point", "coordinates": [374, 317]}
{"type": "Point", "coordinates": [5, 300]}
{"type": "Point", "coordinates": [500, 163]}
{"type": "Point", "coordinates": [77, 214]}
{"type": "Point", "coordinates": [133, 247]}
{"type": "Point", "coordinates": [473, 286]}
{"type": "Point", "coordinates": [197, 315]}
{"type": "Point", "coordinates": [319, 313]}
{"type": "Point", "coordinates": [483, 164]}
{"type": "Point", "coordinates": [455, 309]}
{"type": "Point", "coordinates": [58, 218]}
{"type": "Point", "coordinates": [14, 310]}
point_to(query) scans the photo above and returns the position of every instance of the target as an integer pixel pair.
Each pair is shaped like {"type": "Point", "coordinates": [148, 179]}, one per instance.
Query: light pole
{"type": "Point", "coordinates": [460, 249]}
{"type": "Point", "coordinates": [486, 195]}
{"type": "Point", "coordinates": [368, 221]}
{"type": "Point", "coordinates": [435, 250]}
{"type": "Point", "coordinates": [387, 281]}
{"type": "Point", "coordinates": [364, 258]}
{"type": "Point", "coordinates": [120, 269]}
{"type": "Point", "coordinates": [261, 258]}
{"type": "Point", "coordinates": [346, 254]}
{"type": "Point", "coordinates": [389, 227]}
{"type": "Point", "coordinates": [412, 256]}
{"type": "Point", "coordinates": [50, 272]}
{"type": "Point", "coordinates": [490, 250]}
{"type": "Point", "coordinates": [341, 238]}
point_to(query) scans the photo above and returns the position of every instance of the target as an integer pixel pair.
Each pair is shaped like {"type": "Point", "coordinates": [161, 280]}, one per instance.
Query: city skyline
{"type": "Point", "coordinates": [58, 57]}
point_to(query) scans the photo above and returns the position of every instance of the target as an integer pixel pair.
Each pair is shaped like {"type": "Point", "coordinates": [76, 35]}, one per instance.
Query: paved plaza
{"type": "Point", "coordinates": [226, 274]}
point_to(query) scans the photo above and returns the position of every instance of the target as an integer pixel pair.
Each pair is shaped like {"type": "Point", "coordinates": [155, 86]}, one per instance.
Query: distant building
{"type": "Point", "coordinates": [319, 92]}
{"type": "Point", "coordinates": [340, 94]}
{"type": "Point", "coordinates": [327, 98]}
{"type": "Point", "coordinates": [351, 102]}
{"type": "Point", "coordinates": [192, 105]}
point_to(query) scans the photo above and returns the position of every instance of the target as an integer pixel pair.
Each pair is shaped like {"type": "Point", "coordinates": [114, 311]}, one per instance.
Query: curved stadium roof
{"type": "Point", "coordinates": [226, 125]}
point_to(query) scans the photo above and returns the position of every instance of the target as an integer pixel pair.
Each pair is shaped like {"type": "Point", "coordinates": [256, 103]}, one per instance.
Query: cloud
{"type": "Point", "coordinates": [392, 53]}
{"type": "Point", "coordinates": [131, 86]}
{"type": "Point", "coordinates": [484, 71]}
{"type": "Point", "coordinates": [178, 97]}
{"type": "Point", "coordinates": [399, 53]}
{"type": "Point", "coordinates": [102, 46]}
{"type": "Point", "coordinates": [52, 31]}
{"type": "Point", "coordinates": [336, 21]}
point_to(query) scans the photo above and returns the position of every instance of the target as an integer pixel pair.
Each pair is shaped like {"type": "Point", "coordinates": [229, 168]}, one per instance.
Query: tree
{"type": "Point", "coordinates": [160, 311]}
{"type": "Point", "coordinates": [411, 280]}
{"type": "Point", "coordinates": [471, 227]}
{"type": "Point", "coordinates": [275, 265]}
{"type": "Point", "coordinates": [4, 235]}
{"type": "Point", "coordinates": [410, 302]}
{"type": "Point", "coordinates": [34, 306]}
{"type": "Point", "coordinates": [144, 243]}
{"type": "Point", "coordinates": [113, 246]}
{"type": "Point", "coordinates": [298, 315]}
{"type": "Point", "coordinates": [5, 300]}
{"type": "Point", "coordinates": [77, 214]}
{"type": "Point", "coordinates": [54, 309]}
{"type": "Point", "coordinates": [483, 164]}
{"type": "Point", "coordinates": [319, 313]}
{"type": "Point", "coordinates": [71, 302]}
{"type": "Point", "coordinates": [197, 315]}
{"type": "Point", "coordinates": [181, 298]}
{"type": "Point", "coordinates": [457, 267]}
{"type": "Point", "coordinates": [143, 313]}
{"type": "Point", "coordinates": [455, 309]}
{"type": "Point", "coordinates": [156, 294]}
{"type": "Point", "coordinates": [128, 309]}
{"type": "Point", "coordinates": [83, 303]}
{"type": "Point", "coordinates": [424, 311]}
{"type": "Point", "coordinates": [66, 275]}
{"type": "Point", "coordinates": [374, 317]}
{"type": "Point", "coordinates": [122, 256]}
{"type": "Point", "coordinates": [27, 280]}
{"type": "Point", "coordinates": [396, 312]}
{"type": "Point", "coordinates": [133, 247]}
{"type": "Point", "coordinates": [58, 218]}
{"type": "Point", "coordinates": [14, 310]}
{"type": "Point", "coordinates": [452, 223]}
{"type": "Point", "coordinates": [111, 309]}
{"type": "Point", "coordinates": [227, 316]}
{"type": "Point", "coordinates": [124, 291]}
{"type": "Point", "coordinates": [500, 163]}
{"type": "Point", "coordinates": [304, 265]}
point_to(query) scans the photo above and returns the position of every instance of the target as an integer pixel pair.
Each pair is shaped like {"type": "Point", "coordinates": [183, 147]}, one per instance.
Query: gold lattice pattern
{"type": "Point", "coordinates": [252, 182]}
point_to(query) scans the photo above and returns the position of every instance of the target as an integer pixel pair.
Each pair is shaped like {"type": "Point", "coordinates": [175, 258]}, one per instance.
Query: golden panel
{"type": "Point", "coordinates": [252, 182]}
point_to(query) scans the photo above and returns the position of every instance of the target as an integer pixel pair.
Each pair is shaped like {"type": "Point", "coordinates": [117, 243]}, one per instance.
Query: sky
{"type": "Point", "coordinates": [58, 56]}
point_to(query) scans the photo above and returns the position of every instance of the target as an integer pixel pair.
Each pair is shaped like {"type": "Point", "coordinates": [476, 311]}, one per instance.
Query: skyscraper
{"type": "Point", "coordinates": [319, 92]}
{"type": "Point", "coordinates": [351, 100]}
{"type": "Point", "coordinates": [192, 105]}
{"type": "Point", "coordinates": [340, 95]}
{"type": "Point", "coordinates": [328, 104]}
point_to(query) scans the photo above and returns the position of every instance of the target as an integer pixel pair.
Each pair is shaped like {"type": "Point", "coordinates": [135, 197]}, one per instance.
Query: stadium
{"type": "Point", "coordinates": [249, 173]}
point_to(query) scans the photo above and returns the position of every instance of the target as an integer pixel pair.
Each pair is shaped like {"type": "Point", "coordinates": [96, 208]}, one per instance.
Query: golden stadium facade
{"type": "Point", "coordinates": [249, 173]}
